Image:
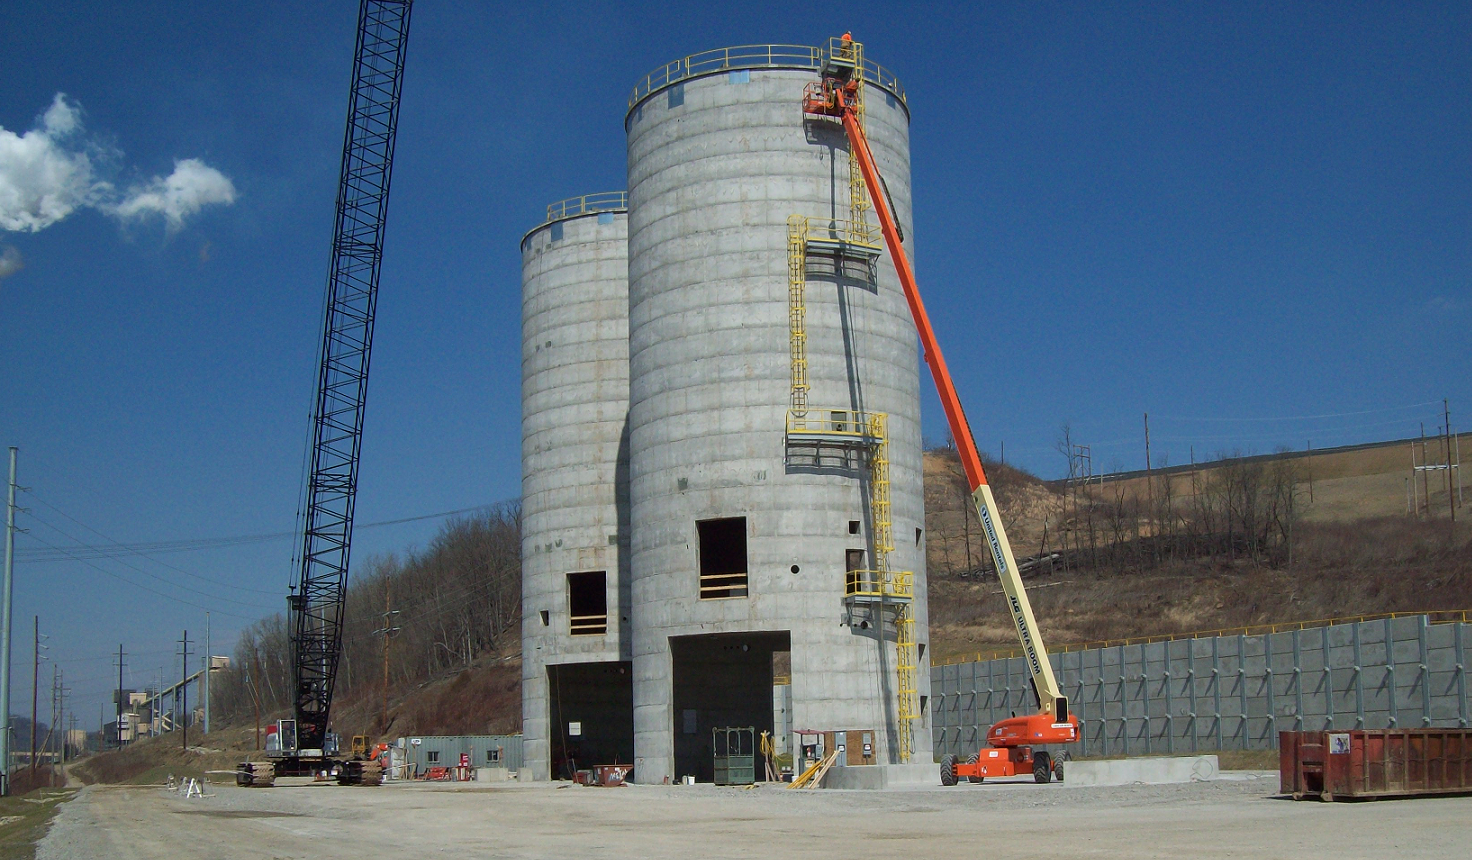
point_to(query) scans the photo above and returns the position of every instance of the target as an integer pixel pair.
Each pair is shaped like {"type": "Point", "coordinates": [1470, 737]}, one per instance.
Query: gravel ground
{"type": "Point", "coordinates": [1228, 818]}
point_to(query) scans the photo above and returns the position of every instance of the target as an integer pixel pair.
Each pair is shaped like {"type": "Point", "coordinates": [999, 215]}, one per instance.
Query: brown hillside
{"type": "Point", "coordinates": [1142, 559]}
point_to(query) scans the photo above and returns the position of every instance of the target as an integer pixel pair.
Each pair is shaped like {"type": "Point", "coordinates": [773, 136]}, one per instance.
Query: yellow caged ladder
{"type": "Point", "coordinates": [880, 586]}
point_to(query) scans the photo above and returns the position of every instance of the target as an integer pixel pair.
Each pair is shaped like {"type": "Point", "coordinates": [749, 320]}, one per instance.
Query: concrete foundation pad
{"type": "Point", "coordinates": [883, 776]}
{"type": "Point", "coordinates": [1142, 771]}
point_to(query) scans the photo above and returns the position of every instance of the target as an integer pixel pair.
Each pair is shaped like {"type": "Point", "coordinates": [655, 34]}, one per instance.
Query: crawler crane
{"type": "Point", "coordinates": [305, 745]}
{"type": "Point", "coordinates": [1010, 742]}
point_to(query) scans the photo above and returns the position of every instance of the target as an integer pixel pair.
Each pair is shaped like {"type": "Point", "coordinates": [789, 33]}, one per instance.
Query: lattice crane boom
{"type": "Point", "coordinates": [316, 603]}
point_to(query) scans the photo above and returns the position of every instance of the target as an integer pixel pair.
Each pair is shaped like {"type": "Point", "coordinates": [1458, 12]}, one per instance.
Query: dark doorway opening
{"type": "Point", "coordinates": [722, 558]}
{"type": "Point", "coordinates": [720, 680]}
{"type": "Point", "coordinates": [587, 603]}
{"type": "Point", "coordinates": [592, 716]}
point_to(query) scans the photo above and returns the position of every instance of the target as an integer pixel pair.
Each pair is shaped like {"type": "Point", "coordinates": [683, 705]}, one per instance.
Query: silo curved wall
{"type": "Point", "coordinates": [574, 449]}
{"type": "Point", "coordinates": [717, 164]}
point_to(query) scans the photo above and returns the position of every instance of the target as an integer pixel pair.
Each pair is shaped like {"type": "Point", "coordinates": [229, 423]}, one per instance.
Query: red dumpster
{"type": "Point", "coordinates": [1363, 765]}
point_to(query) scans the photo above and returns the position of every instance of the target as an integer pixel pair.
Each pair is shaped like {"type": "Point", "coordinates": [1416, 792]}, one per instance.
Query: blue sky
{"type": "Point", "coordinates": [1229, 215]}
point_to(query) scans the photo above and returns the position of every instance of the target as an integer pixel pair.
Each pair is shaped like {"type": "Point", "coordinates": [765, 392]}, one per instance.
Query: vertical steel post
{"type": "Point", "coordinates": [1359, 680]}
{"type": "Point", "coordinates": [1103, 709]}
{"type": "Point", "coordinates": [1145, 694]}
{"type": "Point", "coordinates": [1328, 679]}
{"type": "Point", "coordinates": [1242, 686]}
{"type": "Point", "coordinates": [5, 634]}
{"type": "Point", "coordinates": [1124, 707]}
{"type": "Point", "coordinates": [1422, 631]}
{"type": "Point", "coordinates": [1298, 679]}
{"type": "Point", "coordinates": [1191, 688]}
{"type": "Point", "coordinates": [1083, 721]}
{"type": "Point", "coordinates": [1390, 658]}
{"type": "Point", "coordinates": [1461, 650]}
{"type": "Point", "coordinates": [1267, 681]}
{"type": "Point", "coordinates": [1216, 689]}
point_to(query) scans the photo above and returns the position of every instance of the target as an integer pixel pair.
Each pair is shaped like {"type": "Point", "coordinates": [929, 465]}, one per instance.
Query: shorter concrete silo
{"type": "Point", "coordinates": [577, 700]}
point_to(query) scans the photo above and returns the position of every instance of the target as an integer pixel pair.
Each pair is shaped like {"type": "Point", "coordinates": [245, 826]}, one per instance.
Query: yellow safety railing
{"type": "Point", "coordinates": [1436, 616]}
{"type": "Point", "coordinates": [899, 584]}
{"type": "Point", "coordinates": [605, 201]}
{"type": "Point", "coordinates": [845, 230]}
{"type": "Point", "coordinates": [753, 57]}
{"type": "Point", "coordinates": [588, 625]}
{"type": "Point", "coordinates": [831, 422]}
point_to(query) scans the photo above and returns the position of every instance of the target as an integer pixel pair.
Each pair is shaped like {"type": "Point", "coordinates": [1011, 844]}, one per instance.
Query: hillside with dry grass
{"type": "Point", "coordinates": [1243, 541]}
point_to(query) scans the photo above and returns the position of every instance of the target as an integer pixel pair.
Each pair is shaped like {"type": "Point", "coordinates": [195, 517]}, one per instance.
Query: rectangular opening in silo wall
{"type": "Point", "coordinates": [722, 680]}
{"type": "Point", "coordinates": [723, 572]}
{"type": "Point", "coordinates": [592, 716]}
{"type": "Point", "coordinates": [587, 603]}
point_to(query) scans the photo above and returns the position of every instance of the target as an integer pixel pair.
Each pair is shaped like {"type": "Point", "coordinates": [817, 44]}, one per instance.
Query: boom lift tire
{"type": "Point", "coordinates": [975, 780]}
{"type": "Point", "coordinates": [948, 770]}
{"type": "Point", "coordinates": [1042, 768]}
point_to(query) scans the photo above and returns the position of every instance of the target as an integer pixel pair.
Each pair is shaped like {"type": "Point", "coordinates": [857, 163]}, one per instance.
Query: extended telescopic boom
{"type": "Point", "coordinates": [838, 97]}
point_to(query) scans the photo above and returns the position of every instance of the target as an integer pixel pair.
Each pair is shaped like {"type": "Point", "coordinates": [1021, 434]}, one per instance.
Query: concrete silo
{"type": "Point", "coordinates": [775, 447]}
{"type": "Point", "coordinates": [575, 531]}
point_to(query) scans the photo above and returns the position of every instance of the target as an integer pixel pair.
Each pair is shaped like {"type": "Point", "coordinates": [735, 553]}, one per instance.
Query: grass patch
{"type": "Point", "coordinates": [1248, 759]}
{"type": "Point", "coordinates": [24, 820]}
{"type": "Point", "coordinates": [150, 761]}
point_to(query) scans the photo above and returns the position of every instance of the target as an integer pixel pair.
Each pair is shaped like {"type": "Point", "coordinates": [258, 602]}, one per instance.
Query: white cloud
{"type": "Point", "coordinates": [192, 186]}
{"type": "Point", "coordinates": [10, 262]}
{"type": "Point", "coordinates": [47, 173]}
{"type": "Point", "coordinates": [54, 169]}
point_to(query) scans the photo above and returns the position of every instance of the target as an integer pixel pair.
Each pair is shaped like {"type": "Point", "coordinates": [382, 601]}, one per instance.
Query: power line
{"type": "Point", "coordinates": [145, 555]}
{"type": "Point", "coordinates": [225, 542]}
{"type": "Point", "coordinates": [122, 578]}
{"type": "Point", "coordinates": [152, 575]}
{"type": "Point", "coordinates": [1308, 417]}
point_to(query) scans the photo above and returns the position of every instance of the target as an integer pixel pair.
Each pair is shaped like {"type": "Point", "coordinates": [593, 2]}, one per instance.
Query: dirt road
{"type": "Point", "coordinates": [1235, 818]}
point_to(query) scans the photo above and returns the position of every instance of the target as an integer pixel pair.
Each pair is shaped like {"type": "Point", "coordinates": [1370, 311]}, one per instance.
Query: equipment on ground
{"type": "Point", "coordinates": [1010, 741]}
{"type": "Point", "coordinates": [315, 608]}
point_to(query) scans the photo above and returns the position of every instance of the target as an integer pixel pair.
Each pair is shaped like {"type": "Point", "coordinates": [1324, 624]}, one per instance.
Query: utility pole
{"type": "Point", "coordinates": [1149, 480]}
{"type": "Point", "coordinates": [35, 689]}
{"type": "Point", "coordinates": [255, 688]}
{"type": "Point", "coordinates": [387, 632]}
{"type": "Point", "coordinates": [1309, 463]}
{"type": "Point", "coordinates": [121, 655]}
{"type": "Point", "coordinates": [208, 666]}
{"type": "Point", "coordinates": [1425, 475]}
{"type": "Point", "coordinates": [5, 634]}
{"type": "Point", "coordinates": [184, 690]}
{"type": "Point", "coordinates": [1451, 501]}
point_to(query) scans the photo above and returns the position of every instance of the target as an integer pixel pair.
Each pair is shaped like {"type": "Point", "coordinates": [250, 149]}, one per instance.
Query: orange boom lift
{"type": "Point", "coordinates": [1011, 741]}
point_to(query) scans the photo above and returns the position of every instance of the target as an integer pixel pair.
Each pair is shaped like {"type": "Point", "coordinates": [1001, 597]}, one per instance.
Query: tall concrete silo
{"type": "Point", "coordinates": [775, 447]}
{"type": "Point", "coordinates": [576, 675]}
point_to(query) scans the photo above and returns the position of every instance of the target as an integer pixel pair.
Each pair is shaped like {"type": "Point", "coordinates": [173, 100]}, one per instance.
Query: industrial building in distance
{"type": "Point", "coordinates": [721, 444]}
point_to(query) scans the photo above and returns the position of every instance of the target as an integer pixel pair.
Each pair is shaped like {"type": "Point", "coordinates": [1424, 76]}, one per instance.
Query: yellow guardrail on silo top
{"type": "Point", "coordinates": [604, 201]}
{"type": "Point", "coordinates": [753, 57]}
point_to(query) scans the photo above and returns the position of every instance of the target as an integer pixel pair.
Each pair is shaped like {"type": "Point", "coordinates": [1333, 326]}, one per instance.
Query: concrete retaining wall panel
{"type": "Point", "coordinates": [1242, 689]}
